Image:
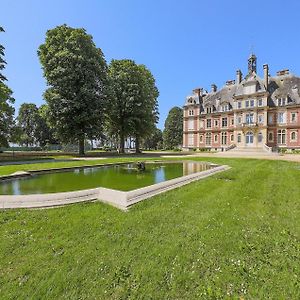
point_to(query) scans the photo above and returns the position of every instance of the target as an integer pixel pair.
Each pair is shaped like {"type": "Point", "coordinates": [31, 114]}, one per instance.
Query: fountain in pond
{"type": "Point", "coordinates": [141, 166]}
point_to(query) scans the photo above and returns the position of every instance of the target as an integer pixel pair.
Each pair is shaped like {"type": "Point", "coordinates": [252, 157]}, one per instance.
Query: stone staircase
{"type": "Point", "coordinates": [249, 151]}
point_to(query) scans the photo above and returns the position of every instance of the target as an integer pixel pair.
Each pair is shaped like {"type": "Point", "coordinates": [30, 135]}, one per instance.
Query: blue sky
{"type": "Point", "coordinates": [186, 44]}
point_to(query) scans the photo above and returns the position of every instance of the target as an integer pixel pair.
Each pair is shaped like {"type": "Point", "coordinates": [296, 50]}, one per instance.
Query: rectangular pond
{"type": "Point", "coordinates": [122, 177]}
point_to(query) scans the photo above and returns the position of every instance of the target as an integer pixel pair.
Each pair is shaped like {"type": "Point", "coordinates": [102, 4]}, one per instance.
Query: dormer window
{"type": "Point", "coordinates": [281, 101]}
{"type": "Point", "coordinates": [225, 107]}
{"type": "Point", "coordinates": [209, 110]}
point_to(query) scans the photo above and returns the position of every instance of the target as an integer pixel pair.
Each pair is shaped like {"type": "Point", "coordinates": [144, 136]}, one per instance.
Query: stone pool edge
{"type": "Point", "coordinates": [120, 199]}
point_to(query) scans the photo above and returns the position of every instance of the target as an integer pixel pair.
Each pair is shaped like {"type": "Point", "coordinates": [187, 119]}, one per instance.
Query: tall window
{"type": "Point", "coordinates": [191, 139]}
{"type": "Point", "coordinates": [232, 121]}
{"type": "Point", "coordinates": [251, 103]}
{"type": "Point", "coordinates": [270, 117]}
{"type": "Point", "coordinates": [260, 137]}
{"type": "Point", "coordinates": [224, 138]}
{"type": "Point", "coordinates": [239, 119]}
{"type": "Point", "coordinates": [280, 117]}
{"type": "Point", "coordinates": [208, 138]}
{"type": "Point", "coordinates": [270, 137]}
{"type": "Point", "coordinates": [201, 138]}
{"type": "Point", "coordinates": [224, 122]}
{"type": "Point", "coordinates": [191, 112]}
{"type": "Point", "coordinates": [231, 137]}
{"type": "Point", "coordinates": [239, 104]}
{"type": "Point", "coordinates": [281, 136]}
{"type": "Point", "coordinates": [208, 123]}
{"type": "Point", "coordinates": [293, 117]}
{"type": "Point", "coordinates": [215, 138]}
{"type": "Point", "coordinates": [239, 138]}
{"type": "Point", "coordinates": [247, 103]}
{"type": "Point", "coordinates": [249, 118]}
{"type": "Point", "coordinates": [249, 137]}
{"type": "Point", "coordinates": [260, 102]}
{"type": "Point", "coordinates": [191, 124]}
{"type": "Point", "coordinates": [216, 123]}
{"type": "Point", "coordinates": [260, 119]}
{"type": "Point", "coordinates": [293, 136]}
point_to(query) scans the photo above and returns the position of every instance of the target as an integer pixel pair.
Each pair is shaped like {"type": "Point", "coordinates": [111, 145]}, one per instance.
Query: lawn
{"type": "Point", "coordinates": [235, 235]}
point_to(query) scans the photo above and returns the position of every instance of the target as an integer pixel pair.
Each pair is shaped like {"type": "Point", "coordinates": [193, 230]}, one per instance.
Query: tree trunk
{"type": "Point", "coordinates": [122, 143]}
{"type": "Point", "coordinates": [137, 145]}
{"type": "Point", "coordinates": [81, 146]}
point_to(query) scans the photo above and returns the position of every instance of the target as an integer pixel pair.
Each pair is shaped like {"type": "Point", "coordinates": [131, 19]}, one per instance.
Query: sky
{"type": "Point", "coordinates": [185, 44]}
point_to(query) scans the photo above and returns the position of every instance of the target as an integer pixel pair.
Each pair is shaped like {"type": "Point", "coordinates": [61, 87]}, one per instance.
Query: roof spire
{"type": "Point", "coordinates": [252, 63]}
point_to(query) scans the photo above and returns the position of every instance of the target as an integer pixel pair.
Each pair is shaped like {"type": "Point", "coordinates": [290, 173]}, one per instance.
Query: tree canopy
{"type": "Point", "coordinates": [76, 74]}
{"type": "Point", "coordinates": [6, 103]}
{"type": "Point", "coordinates": [133, 105]}
{"type": "Point", "coordinates": [28, 122]}
{"type": "Point", "coordinates": [172, 134]}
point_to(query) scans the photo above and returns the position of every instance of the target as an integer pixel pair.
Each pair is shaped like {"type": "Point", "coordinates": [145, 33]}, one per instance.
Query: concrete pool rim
{"type": "Point", "coordinates": [120, 199]}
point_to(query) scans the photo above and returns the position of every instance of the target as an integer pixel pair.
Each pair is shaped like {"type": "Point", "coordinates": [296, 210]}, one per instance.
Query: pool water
{"type": "Point", "coordinates": [124, 177]}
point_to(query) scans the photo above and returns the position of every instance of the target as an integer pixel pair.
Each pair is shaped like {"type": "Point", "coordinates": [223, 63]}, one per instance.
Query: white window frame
{"type": "Point", "coordinates": [295, 115]}
{"type": "Point", "coordinates": [296, 136]}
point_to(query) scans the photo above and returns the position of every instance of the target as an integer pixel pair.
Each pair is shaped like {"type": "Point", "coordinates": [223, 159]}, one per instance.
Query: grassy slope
{"type": "Point", "coordinates": [236, 234]}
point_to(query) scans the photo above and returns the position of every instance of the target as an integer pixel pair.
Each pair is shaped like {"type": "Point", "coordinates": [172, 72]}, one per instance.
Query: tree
{"type": "Point", "coordinates": [173, 131]}
{"type": "Point", "coordinates": [145, 114]}
{"type": "Point", "coordinates": [6, 104]}
{"type": "Point", "coordinates": [153, 141]}
{"type": "Point", "coordinates": [133, 101]}
{"type": "Point", "coordinates": [28, 119]}
{"type": "Point", "coordinates": [75, 71]}
{"type": "Point", "coordinates": [44, 132]}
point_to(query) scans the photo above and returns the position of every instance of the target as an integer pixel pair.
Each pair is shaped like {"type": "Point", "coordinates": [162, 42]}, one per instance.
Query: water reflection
{"type": "Point", "coordinates": [121, 177]}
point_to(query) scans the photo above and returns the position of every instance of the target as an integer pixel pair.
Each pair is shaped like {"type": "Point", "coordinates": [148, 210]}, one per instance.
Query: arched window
{"type": "Point", "coordinates": [293, 136]}
{"type": "Point", "coordinates": [281, 136]}
{"type": "Point", "coordinates": [260, 137]}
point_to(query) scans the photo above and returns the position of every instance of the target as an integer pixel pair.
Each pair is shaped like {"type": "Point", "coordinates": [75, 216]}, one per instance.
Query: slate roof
{"type": "Point", "coordinates": [287, 85]}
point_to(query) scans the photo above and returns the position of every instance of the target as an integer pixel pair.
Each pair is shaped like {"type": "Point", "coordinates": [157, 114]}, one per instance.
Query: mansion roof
{"type": "Point", "coordinates": [283, 85]}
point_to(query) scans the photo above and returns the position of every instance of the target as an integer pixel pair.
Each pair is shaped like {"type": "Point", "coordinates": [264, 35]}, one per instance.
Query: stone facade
{"type": "Point", "coordinates": [247, 112]}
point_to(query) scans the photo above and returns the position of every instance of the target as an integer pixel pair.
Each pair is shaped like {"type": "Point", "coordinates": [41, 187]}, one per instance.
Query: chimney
{"type": "Point", "coordinates": [238, 77]}
{"type": "Point", "coordinates": [283, 72]}
{"type": "Point", "coordinates": [230, 82]}
{"type": "Point", "coordinates": [266, 75]}
{"type": "Point", "coordinates": [213, 88]}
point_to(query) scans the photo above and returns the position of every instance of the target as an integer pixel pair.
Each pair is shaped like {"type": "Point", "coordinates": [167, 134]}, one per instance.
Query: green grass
{"type": "Point", "coordinates": [235, 235]}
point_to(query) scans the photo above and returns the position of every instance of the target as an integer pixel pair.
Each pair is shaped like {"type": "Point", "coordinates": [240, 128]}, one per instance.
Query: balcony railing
{"type": "Point", "coordinates": [249, 124]}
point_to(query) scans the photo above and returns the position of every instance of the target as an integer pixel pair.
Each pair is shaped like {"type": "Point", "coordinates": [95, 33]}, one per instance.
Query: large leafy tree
{"type": "Point", "coordinates": [76, 74]}
{"type": "Point", "coordinates": [28, 119]}
{"type": "Point", "coordinates": [173, 130]}
{"type": "Point", "coordinates": [133, 101]}
{"type": "Point", "coordinates": [124, 83]}
{"type": "Point", "coordinates": [6, 103]}
{"type": "Point", "coordinates": [145, 111]}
